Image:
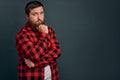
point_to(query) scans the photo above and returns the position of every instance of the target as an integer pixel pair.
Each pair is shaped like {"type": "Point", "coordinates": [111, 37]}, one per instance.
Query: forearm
{"type": "Point", "coordinates": [53, 51]}
{"type": "Point", "coordinates": [29, 49]}
{"type": "Point", "coordinates": [43, 62]}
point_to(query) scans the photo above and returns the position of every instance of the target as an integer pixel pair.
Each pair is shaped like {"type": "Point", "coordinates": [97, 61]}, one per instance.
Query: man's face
{"type": "Point", "coordinates": [36, 16]}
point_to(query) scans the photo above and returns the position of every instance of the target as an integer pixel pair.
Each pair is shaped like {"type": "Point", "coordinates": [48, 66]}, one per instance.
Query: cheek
{"type": "Point", "coordinates": [42, 17]}
{"type": "Point", "coordinates": [33, 19]}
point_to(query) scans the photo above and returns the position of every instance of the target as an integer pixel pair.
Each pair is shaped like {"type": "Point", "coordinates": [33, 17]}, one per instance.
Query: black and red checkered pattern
{"type": "Point", "coordinates": [41, 48]}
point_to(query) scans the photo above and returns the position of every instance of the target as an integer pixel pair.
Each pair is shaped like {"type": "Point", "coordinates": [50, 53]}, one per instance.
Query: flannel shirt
{"type": "Point", "coordinates": [41, 48]}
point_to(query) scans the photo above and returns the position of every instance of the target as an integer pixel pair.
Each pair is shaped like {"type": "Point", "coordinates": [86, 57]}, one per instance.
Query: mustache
{"type": "Point", "coordinates": [39, 21]}
{"type": "Point", "coordinates": [42, 22]}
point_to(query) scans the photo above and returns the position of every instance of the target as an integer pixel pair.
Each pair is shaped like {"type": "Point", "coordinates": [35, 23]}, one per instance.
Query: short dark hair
{"type": "Point", "coordinates": [32, 5]}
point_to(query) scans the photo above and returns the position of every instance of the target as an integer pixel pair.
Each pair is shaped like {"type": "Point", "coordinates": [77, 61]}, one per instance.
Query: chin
{"type": "Point", "coordinates": [36, 24]}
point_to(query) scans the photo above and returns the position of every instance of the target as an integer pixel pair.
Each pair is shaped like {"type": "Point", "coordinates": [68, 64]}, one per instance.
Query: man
{"type": "Point", "coordinates": [37, 46]}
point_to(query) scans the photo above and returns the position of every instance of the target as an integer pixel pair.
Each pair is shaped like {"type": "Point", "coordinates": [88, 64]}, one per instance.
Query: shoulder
{"type": "Point", "coordinates": [25, 29]}
{"type": "Point", "coordinates": [22, 32]}
{"type": "Point", "coordinates": [51, 30]}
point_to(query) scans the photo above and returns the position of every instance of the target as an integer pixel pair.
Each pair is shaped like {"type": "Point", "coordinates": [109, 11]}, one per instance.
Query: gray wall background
{"type": "Point", "coordinates": [88, 31]}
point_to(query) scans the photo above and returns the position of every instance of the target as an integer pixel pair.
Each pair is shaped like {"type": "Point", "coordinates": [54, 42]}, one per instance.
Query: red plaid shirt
{"type": "Point", "coordinates": [41, 48]}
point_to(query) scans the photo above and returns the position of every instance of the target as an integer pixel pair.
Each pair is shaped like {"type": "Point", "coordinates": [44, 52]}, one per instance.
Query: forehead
{"type": "Point", "coordinates": [38, 9]}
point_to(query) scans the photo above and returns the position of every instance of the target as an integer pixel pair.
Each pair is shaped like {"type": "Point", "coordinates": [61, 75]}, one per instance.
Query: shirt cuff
{"type": "Point", "coordinates": [44, 34]}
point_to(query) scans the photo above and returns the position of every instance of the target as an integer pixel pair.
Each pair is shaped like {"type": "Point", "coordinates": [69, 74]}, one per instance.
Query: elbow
{"type": "Point", "coordinates": [57, 53]}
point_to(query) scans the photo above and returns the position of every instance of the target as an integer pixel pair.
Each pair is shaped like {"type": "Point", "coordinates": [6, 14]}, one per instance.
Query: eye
{"type": "Point", "coordinates": [34, 14]}
{"type": "Point", "coordinates": [41, 12]}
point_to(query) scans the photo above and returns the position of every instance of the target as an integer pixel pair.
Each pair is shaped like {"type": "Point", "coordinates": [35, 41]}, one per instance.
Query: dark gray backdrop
{"type": "Point", "coordinates": [88, 31]}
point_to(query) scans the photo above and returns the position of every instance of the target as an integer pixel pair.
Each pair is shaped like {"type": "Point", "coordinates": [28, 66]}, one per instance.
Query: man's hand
{"type": "Point", "coordinates": [42, 28]}
{"type": "Point", "coordinates": [29, 63]}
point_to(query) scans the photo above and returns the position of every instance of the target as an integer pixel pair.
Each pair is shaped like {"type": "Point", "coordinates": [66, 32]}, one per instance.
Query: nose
{"type": "Point", "coordinates": [39, 17]}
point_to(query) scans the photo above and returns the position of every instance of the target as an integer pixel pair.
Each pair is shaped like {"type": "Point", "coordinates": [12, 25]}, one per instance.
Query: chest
{"type": "Point", "coordinates": [36, 37]}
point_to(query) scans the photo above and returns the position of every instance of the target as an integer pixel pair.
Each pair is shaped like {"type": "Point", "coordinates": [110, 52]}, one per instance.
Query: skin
{"type": "Point", "coordinates": [36, 19]}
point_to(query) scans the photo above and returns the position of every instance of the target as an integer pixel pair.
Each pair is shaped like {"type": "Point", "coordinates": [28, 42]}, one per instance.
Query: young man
{"type": "Point", "coordinates": [37, 46]}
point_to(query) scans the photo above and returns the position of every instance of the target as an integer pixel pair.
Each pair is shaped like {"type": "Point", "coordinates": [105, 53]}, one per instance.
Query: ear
{"type": "Point", "coordinates": [27, 17]}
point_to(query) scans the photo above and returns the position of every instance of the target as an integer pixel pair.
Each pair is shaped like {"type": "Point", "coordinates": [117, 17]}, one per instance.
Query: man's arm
{"type": "Point", "coordinates": [53, 52]}
{"type": "Point", "coordinates": [34, 51]}
{"type": "Point", "coordinates": [54, 49]}
{"type": "Point", "coordinates": [31, 50]}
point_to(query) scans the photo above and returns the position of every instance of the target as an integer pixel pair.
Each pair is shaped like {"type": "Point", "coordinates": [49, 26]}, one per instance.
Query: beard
{"type": "Point", "coordinates": [37, 23]}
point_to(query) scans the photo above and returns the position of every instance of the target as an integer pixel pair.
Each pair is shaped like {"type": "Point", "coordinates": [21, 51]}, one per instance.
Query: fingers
{"type": "Point", "coordinates": [29, 63]}
{"type": "Point", "coordinates": [42, 25]}
{"type": "Point", "coordinates": [43, 28]}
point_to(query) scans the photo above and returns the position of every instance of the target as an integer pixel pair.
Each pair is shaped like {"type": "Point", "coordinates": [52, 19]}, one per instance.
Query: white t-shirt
{"type": "Point", "coordinates": [47, 73]}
